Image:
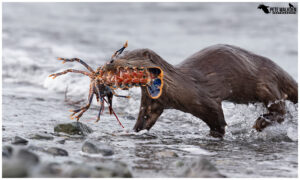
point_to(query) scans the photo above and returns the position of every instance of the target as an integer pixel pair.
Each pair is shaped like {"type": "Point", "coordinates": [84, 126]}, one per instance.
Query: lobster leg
{"type": "Point", "coordinates": [86, 107]}
{"type": "Point", "coordinates": [111, 109]}
{"type": "Point", "coordinates": [115, 94]}
{"type": "Point", "coordinates": [102, 102]}
{"type": "Point", "coordinates": [78, 60]}
{"type": "Point", "coordinates": [67, 71]}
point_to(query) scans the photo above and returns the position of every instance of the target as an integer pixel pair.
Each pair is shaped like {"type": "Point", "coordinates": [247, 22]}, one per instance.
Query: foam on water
{"type": "Point", "coordinates": [196, 150]}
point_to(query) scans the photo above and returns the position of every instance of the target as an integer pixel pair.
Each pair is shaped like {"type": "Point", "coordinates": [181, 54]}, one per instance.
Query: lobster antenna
{"type": "Point", "coordinates": [118, 52]}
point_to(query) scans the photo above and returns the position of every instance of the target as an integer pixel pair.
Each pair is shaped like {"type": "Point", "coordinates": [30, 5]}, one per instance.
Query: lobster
{"type": "Point", "coordinates": [103, 82]}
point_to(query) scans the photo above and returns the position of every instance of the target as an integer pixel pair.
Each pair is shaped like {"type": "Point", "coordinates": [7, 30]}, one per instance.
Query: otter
{"type": "Point", "coordinates": [200, 83]}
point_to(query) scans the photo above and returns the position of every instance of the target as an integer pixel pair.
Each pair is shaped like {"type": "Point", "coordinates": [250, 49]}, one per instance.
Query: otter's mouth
{"type": "Point", "coordinates": [128, 77]}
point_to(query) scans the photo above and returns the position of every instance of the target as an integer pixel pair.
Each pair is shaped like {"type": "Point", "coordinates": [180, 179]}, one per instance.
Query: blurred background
{"type": "Point", "coordinates": [34, 34]}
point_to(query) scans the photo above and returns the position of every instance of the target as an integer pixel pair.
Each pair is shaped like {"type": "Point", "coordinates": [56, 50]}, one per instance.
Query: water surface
{"type": "Point", "coordinates": [34, 34]}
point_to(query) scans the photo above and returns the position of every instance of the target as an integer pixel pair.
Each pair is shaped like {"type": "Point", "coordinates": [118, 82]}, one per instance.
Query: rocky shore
{"type": "Point", "coordinates": [23, 159]}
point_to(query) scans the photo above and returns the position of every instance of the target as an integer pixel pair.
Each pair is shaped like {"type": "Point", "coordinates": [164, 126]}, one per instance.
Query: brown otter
{"type": "Point", "coordinates": [201, 82]}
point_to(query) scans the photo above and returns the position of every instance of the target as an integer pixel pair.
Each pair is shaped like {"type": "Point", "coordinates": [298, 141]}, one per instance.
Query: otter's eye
{"type": "Point", "coordinates": [111, 61]}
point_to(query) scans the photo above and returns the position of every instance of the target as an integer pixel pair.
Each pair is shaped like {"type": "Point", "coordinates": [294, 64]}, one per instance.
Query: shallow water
{"type": "Point", "coordinates": [34, 34]}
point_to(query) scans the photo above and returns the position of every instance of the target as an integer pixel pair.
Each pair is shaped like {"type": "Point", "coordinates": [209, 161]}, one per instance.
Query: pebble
{"type": "Point", "coordinates": [96, 148]}
{"type": "Point", "coordinates": [200, 168]}
{"type": "Point", "coordinates": [74, 128]}
{"type": "Point", "coordinates": [35, 148]}
{"type": "Point", "coordinates": [116, 169]}
{"type": "Point", "coordinates": [51, 169]}
{"type": "Point", "coordinates": [27, 157]}
{"type": "Point", "coordinates": [13, 169]}
{"type": "Point", "coordinates": [19, 141]}
{"type": "Point", "coordinates": [20, 164]}
{"type": "Point", "coordinates": [61, 141]}
{"type": "Point", "coordinates": [130, 117]}
{"type": "Point", "coordinates": [102, 170]}
{"type": "Point", "coordinates": [166, 154]}
{"type": "Point", "coordinates": [42, 136]}
{"type": "Point", "coordinates": [7, 151]}
{"type": "Point", "coordinates": [57, 151]}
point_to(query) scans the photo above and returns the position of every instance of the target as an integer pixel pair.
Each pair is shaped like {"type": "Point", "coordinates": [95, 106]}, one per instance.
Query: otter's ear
{"type": "Point", "coordinates": [156, 86]}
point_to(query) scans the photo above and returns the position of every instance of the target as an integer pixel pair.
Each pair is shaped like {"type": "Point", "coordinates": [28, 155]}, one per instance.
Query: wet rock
{"type": "Point", "coordinates": [57, 151]}
{"type": "Point", "coordinates": [27, 157]}
{"type": "Point", "coordinates": [166, 154]}
{"type": "Point", "coordinates": [20, 165]}
{"type": "Point", "coordinates": [81, 172]}
{"type": "Point", "coordinates": [96, 148]}
{"type": "Point", "coordinates": [42, 136]}
{"type": "Point", "coordinates": [36, 148]}
{"type": "Point", "coordinates": [104, 170]}
{"type": "Point", "coordinates": [19, 141]}
{"type": "Point", "coordinates": [200, 168]}
{"type": "Point", "coordinates": [51, 169]}
{"type": "Point", "coordinates": [40, 99]}
{"type": "Point", "coordinates": [74, 128]}
{"type": "Point", "coordinates": [130, 117]}
{"type": "Point", "coordinates": [179, 163]}
{"type": "Point", "coordinates": [7, 151]}
{"type": "Point", "coordinates": [13, 169]}
{"type": "Point", "coordinates": [6, 139]}
{"type": "Point", "coordinates": [61, 141]}
{"type": "Point", "coordinates": [112, 169]}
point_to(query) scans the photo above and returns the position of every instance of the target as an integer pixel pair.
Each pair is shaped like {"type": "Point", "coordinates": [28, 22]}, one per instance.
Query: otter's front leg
{"type": "Point", "coordinates": [212, 114]}
{"type": "Point", "coordinates": [150, 110]}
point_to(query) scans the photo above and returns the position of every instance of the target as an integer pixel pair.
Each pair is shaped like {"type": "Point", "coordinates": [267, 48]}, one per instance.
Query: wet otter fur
{"type": "Point", "coordinates": [217, 73]}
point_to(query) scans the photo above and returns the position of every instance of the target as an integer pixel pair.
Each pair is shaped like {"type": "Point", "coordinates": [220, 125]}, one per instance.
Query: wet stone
{"type": "Point", "coordinates": [113, 169]}
{"type": "Point", "coordinates": [35, 148]}
{"type": "Point", "coordinates": [42, 136]}
{"type": "Point", "coordinates": [200, 168]}
{"type": "Point", "coordinates": [51, 169]}
{"type": "Point", "coordinates": [97, 148]}
{"type": "Point", "coordinates": [74, 128]}
{"type": "Point", "coordinates": [27, 157]}
{"type": "Point", "coordinates": [13, 169]}
{"type": "Point", "coordinates": [102, 170]}
{"type": "Point", "coordinates": [166, 154]}
{"type": "Point", "coordinates": [57, 151]}
{"type": "Point", "coordinates": [40, 99]}
{"type": "Point", "coordinates": [61, 141]}
{"type": "Point", "coordinates": [81, 172]}
{"type": "Point", "coordinates": [130, 117]}
{"type": "Point", "coordinates": [7, 151]}
{"type": "Point", "coordinates": [19, 141]}
{"type": "Point", "coordinates": [179, 163]}
{"type": "Point", "coordinates": [19, 165]}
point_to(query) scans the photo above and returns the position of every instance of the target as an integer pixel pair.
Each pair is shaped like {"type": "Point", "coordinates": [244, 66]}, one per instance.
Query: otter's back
{"type": "Point", "coordinates": [232, 73]}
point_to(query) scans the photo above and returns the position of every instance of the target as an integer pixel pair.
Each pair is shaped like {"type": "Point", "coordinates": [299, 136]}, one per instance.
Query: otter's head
{"type": "Point", "coordinates": [141, 66]}
{"type": "Point", "coordinates": [165, 89]}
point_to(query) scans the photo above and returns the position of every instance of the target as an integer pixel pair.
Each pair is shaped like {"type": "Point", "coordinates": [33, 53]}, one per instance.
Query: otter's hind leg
{"type": "Point", "coordinates": [274, 102]}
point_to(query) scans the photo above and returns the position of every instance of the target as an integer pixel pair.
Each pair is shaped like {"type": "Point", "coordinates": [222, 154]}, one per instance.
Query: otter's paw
{"type": "Point", "coordinates": [266, 120]}
{"type": "Point", "coordinates": [217, 132]}
{"type": "Point", "coordinates": [261, 123]}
